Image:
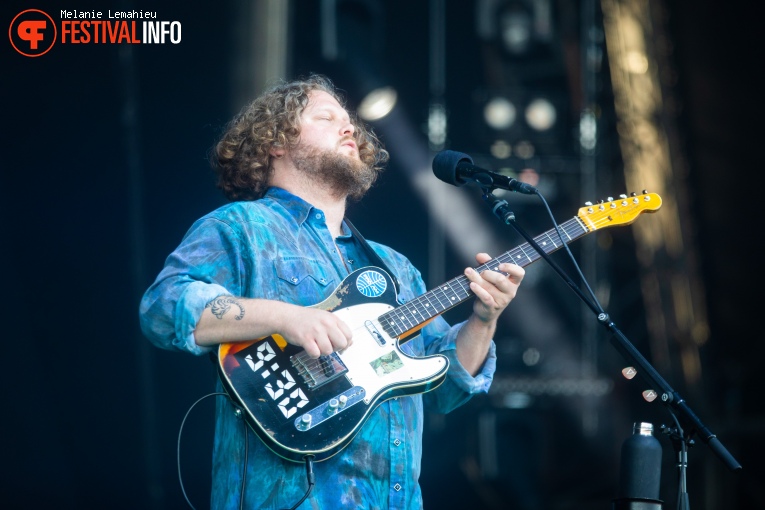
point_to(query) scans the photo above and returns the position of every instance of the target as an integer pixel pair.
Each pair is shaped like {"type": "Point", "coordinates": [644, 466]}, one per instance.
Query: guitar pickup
{"type": "Point", "coordinates": [373, 331]}
{"type": "Point", "coordinates": [317, 372]}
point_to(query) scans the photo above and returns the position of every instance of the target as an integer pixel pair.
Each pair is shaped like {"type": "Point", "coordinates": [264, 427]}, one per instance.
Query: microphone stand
{"type": "Point", "coordinates": [678, 407]}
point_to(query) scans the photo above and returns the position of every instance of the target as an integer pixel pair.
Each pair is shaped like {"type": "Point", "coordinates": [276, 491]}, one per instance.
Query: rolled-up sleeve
{"type": "Point", "coordinates": [462, 379]}
{"type": "Point", "coordinates": [459, 385]}
{"type": "Point", "coordinates": [205, 265]}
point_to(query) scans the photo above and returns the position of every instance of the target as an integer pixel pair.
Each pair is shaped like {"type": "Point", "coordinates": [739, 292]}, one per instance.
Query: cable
{"type": "Point", "coordinates": [308, 459]}
{"type": "Point", "coordinates": [682, 466]}
{"type": "Point", "coordinates": [178, 452]}
{"type": "Point", "coordinates": [244, 468]}
{"type": "Point", "coordinates": [311, 481]}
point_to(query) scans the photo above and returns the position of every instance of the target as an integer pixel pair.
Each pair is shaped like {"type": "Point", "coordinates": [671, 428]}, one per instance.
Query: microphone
{"type": "Point", "coordinates": [457, 168]}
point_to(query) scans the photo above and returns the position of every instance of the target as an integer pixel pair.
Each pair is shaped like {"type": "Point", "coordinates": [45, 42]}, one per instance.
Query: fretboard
{"type": "Point", "coordinates": [412, 314]}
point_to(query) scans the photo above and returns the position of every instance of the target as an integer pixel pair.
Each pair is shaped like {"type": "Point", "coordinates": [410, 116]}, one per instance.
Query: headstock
{"type": "Point", "coordinates": [621, 211]}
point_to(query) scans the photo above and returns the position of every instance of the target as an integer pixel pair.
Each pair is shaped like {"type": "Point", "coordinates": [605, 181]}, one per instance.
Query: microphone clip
{"type": "Point", "coordinates": [499, 207]}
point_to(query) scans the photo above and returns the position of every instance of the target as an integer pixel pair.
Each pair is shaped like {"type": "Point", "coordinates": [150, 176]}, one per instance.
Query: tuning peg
{"type": "Point", "coordinates": [588, 203]}
{"type": "Point", "coordinates": [610, 199]}
{"type": "Point", "coordinates": [622, 196]}
{"type": "Point", "coordinates": [633, 194]}
{"type": "Point", "coordinates": [645, 192]}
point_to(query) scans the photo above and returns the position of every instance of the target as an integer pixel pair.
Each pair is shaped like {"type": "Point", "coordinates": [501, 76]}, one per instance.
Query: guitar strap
{"type": "Point", "coordinates": [373, 256]}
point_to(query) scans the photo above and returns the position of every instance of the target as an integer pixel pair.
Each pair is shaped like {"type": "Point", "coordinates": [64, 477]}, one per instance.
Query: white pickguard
{"type": "Point", "coordinates": [365, 351]}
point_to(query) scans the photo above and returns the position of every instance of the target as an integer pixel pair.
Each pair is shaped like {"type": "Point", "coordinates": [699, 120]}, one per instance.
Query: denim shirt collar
{"type": "Point", "coordinates": [297, 208]}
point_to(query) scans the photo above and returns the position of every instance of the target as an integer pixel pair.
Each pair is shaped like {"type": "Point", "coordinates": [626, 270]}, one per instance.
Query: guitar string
{"type": "Point", "coordinates": [311, 365]}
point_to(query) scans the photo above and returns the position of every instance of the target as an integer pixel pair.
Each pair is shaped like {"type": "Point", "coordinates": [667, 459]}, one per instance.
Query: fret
{"type": "Point", "coordinates": [425, 308]}
{"type": "Point", "coordinates": [492, 265]}
{"type": "Point", "coordinates": [551, 239]}
{"type": "Point", "coordinates": [542, 244]}
{"type": "Point", "coordinates": [402, 314]}
{"type": "Point", "coordinates": [417, 311]}
{"type": "Point", "coordinates": [557, 240]}
{"type": "Point", "coordinates": [576, 222]}
{"type": "Point", "coordinates": [391, 323]}
{"type": "Point", "coordinates": [568, 236]}
{"type": "Point", "coordinates": [449, 288]}
{"type": "Point", "coordinates": [434, 308]}
{"type": "Point", "coordinates": [443, 299]}
{"type": "Point", "coordinates": [573, 229]}
{"type": "Point", "coordinates": [466, 290]}
{"type": "Point", "coordinates": [505, 257]}
{"type": "Point", "coordinates": [411, 309]}
{"type": "Point", "coordinates": [517, 256]}
{"type": "Point", "coordinates": [526, 254]}
{"type": "Point", "coordinates": [403, 317]}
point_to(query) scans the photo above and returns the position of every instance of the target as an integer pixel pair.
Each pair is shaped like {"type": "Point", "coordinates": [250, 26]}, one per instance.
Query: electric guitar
{"type": "Point", "coordinates": [302, 406]}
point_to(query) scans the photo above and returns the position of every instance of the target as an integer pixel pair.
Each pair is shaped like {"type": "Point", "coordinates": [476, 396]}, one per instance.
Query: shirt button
{"type": "Point", "coordinates": [294, 279]}
{"type": "Point", "coordinates": [397, 487]}
{"type": "Point", "coordinates": [318, 216]}
{"type": "Point", "coordinates": [323, 280]}
{"type": "Point", "coordinates": [397, 442]}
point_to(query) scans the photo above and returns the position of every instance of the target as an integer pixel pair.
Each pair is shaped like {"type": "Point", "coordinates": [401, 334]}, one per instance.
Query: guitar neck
{"type": "Point", "coordinates": [413, 314]}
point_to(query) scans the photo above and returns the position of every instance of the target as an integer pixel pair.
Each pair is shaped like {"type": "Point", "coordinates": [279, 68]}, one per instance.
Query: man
{"type": "Point", "coordinates": [290, 162]}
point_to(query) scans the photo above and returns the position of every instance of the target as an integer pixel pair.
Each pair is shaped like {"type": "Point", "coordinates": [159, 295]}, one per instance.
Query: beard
{"type": "Point", "coordinates": [339, 174]}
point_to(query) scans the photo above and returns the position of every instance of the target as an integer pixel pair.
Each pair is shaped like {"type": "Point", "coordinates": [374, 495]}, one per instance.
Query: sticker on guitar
{"type": "Point", "coordinates": [371, 284]}
{"type": "Point", "coordinates": [387, 364]}
{"type": "Point", "coordinates": [277, 386]}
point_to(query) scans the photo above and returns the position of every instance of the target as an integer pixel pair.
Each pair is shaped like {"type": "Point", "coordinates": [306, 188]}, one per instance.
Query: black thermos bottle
{"type": "Point", "coordinates": [640, 474]}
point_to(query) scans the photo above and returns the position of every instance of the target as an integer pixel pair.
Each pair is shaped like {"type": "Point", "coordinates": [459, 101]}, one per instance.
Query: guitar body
{"type": "Point", "coordinates": [302, 406]}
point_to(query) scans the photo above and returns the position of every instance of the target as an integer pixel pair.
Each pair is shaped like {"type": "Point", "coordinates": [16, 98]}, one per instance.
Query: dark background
{"type": "Point", "coordinates": [104, 168]}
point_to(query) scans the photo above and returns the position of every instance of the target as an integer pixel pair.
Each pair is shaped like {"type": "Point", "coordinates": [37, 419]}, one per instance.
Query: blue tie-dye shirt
{"type": "Point", "coordinates": [279, 247]}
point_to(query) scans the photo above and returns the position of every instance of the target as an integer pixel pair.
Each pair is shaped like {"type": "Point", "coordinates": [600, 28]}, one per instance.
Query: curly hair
{"type": "Point", "coordinates": [241, 158]}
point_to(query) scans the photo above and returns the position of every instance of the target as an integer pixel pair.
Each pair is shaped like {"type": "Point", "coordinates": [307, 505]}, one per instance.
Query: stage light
{"type": "Point", "coordinates": [516, 28]}
{"type": "Point", "coordinates": [517, 400]}
{"type": "Point", "coordinates": [377, 104]}
{"type": "Point", "coordinates": [437, 126]}
{"type": "Point", "coordinates": [525, 149]}
{"type": "Point", "coordinates": [540, 114]}
{"type": "Point", "coordinates": [588, 130]}
{"type": "Point", "coordinates": [529, 176]}
{"type": "Point", "coordinates": [499, 113]}
{"type": "Point", "coordinates": [500, 149]}
{"type": "Point", "coordinates": [531, 357]}
{"type": "Point", "coordinates": [636, 62]}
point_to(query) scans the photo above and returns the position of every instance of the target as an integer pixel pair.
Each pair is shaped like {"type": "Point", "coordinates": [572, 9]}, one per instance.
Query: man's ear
{"type": "Point", "coordinates": [277, 152]}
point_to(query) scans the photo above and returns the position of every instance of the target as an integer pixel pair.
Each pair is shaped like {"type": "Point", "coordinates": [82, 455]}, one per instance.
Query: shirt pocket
{"type": "Point", "coordinates": [302, 280]}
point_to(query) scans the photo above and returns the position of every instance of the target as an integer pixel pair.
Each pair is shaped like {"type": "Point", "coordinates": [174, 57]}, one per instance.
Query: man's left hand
{"type": "Point", "coordinates": [494, 290]}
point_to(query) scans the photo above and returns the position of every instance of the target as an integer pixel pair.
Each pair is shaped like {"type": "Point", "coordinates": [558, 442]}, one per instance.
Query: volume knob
{"type": "Point", "coordinates": [305, 422]}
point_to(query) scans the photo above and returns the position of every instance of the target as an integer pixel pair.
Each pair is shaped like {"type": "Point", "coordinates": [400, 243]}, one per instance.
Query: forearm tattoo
{"type": "Point", "coordinates": [222, 304]}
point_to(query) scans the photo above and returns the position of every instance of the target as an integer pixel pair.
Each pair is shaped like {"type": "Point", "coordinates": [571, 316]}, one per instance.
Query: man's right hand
{"type": "Point", "coordinates": [231, 319]}
{"type": "Point", "coordinates": [317, 331]}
